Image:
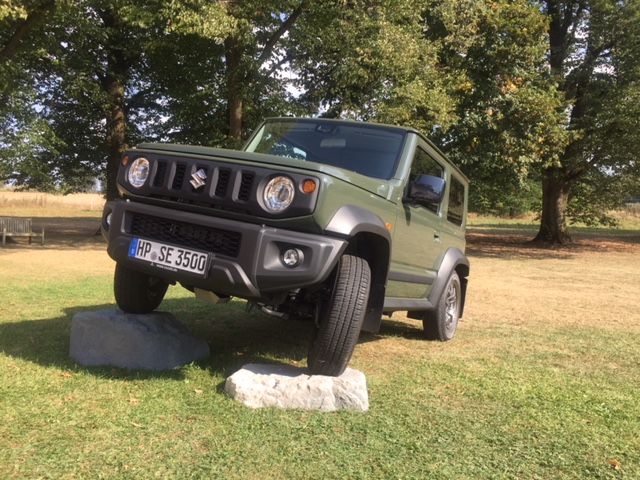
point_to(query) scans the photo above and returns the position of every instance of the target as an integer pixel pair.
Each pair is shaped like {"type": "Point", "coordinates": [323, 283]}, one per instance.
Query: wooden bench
{"type": "Point", "coordinates": [18, 227]}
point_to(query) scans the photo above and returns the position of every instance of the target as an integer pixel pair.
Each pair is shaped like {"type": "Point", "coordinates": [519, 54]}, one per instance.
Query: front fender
{"type": "Point", "coordinates": [350, 220]}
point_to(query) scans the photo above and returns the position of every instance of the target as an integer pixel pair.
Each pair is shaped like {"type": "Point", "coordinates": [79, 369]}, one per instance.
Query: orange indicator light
{"type": "Point", "coordinates": [389, 226]}
{"type": "Point", "coordinates": [308, 186]}
{"type": "Point", "coordinates": [124, 161]}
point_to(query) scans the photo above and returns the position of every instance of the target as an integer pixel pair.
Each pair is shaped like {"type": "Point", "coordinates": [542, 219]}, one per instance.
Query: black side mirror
{"type": "Point", "coordinates": [427, 189]}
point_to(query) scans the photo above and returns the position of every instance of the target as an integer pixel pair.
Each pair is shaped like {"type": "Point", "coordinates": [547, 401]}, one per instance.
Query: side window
{"type": "Point", "coordinates": [424, 164]}
{"type": "Point", "coordinates": [455, 213]}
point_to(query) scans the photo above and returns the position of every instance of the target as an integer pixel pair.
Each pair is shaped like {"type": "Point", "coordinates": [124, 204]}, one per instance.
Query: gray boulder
{"type": "Point", "coordinates": [153, 341]}
{"type": "Point", "coordinates": [284, 386]}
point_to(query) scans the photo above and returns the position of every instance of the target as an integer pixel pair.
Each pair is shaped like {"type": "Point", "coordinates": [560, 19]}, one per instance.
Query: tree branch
{"type": "Point", "coordinates": [25, 27]}
{"type": "Point", "coordinates": [277, 35]}
{"type": "Point", "coordinates": [567, 19]}
{"type": "Point", "coordinates": [286, 58]}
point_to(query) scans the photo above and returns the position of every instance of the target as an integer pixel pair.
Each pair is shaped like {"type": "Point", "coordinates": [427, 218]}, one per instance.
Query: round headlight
{"type": "Point", "coordinates": [278, 194]}
{"type": "Point", "coordinates": [138, 172]}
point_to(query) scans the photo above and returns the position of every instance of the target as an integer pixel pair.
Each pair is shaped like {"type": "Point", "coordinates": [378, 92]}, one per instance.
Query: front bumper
{"type": "Point", "coordinates": [246, 263]}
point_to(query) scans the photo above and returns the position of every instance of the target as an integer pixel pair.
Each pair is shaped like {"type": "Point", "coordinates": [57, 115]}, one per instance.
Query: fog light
{"type": "Point", "coordinates": [292, 257]}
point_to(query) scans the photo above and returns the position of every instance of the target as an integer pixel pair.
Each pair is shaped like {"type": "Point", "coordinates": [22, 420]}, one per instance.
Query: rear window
{"type": "Point", "coordinates": [370, 150]}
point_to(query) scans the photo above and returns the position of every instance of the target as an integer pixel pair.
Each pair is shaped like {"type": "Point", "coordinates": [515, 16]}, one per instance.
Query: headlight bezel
{"type": "Point", "coordinates": [140, 164]}
{"type": "Point", "coordinates": [270, 204]}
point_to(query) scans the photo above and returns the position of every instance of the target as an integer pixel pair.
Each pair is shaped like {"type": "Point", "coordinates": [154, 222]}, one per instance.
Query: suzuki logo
{"type": "Point", "coordinates": [198, 179]}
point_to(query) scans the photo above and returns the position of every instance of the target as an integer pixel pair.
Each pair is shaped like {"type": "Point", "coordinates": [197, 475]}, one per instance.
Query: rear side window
{"type": "Point", "coordinates": [455, 213]}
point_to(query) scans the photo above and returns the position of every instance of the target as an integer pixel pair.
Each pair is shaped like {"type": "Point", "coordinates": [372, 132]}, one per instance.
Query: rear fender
{"type": "Point", "coordinates": [453, 260]}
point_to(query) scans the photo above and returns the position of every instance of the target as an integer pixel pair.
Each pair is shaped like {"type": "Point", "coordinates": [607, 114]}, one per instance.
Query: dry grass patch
{"type": "Point", "coordinates": [38, 201]}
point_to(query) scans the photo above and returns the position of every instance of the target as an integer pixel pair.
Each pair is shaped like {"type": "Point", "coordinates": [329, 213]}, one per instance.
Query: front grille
{"type": "Point", "coordinates": [232, 186]}
{"type": "Point", "coordinates": [222, 242]}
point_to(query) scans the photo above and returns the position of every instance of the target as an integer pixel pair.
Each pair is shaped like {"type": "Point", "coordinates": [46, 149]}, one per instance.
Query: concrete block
{"type": "Point", "coordinates": [288, 387]}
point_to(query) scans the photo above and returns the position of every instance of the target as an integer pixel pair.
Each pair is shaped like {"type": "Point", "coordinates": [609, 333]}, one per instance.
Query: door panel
{"type": "Point", "coordinates": [417, 242]}
{"type": "Point", "coordinates": [416, 247]}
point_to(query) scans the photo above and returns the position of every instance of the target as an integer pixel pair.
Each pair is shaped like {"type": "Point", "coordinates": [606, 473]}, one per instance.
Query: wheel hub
{"type": "Point", "coordinates": [451, 307]}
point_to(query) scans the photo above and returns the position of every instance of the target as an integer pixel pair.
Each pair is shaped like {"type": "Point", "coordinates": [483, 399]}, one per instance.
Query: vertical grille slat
{"type": "Point", "coordinates": [244, 193]}
{"type": "Point", "coordinates": [161, 171]}
{"type": "Point", "coordinates": [223, 182]}
{"type": "Point", "coordinates": [178, 178]}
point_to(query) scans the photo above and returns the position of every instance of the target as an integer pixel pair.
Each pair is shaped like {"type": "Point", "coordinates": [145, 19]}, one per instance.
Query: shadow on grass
{"type": "Point", "coordinates": [503, 246]}
{"type": "Point", "coordinates": [61, 233]}
{"type": "Point", "coordinates": [392, 328]}
{"type": "Point", "coordinates": [66, 242]}
{"type": "Point", "coordinates": [577, 231]}
{"type": "Point", "coordinates": [235, 338]}
{"type": "Point", "coordinates": [507, 244]}
{"type": "Point", "coordinates": [526, 227]}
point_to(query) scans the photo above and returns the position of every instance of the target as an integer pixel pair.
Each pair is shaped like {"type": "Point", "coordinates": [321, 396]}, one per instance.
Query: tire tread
{"type": "Point", "coordinates": [132, 290]}
{"type": "Point", "coordinates": [338, 334]}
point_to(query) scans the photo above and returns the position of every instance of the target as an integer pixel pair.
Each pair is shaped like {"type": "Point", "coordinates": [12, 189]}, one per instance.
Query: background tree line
{"type": "Point", "coordinates": [537, 101]}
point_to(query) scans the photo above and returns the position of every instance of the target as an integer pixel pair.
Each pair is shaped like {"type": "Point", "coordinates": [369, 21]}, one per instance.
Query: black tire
{"type": "Point", "coordinates": [441, 323]}
{"type": "Point", "coordinates": [137, 292]}
{"type": "Point", "coordinates": [341, 317]}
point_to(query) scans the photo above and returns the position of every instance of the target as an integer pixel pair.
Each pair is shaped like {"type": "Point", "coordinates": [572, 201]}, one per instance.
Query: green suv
{"type": "Point", "coordinates": [334, 221]}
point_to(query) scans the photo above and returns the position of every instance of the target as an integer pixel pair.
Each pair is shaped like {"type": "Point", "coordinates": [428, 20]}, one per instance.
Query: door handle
{"type": "Point", "coordinates": [436, 236]}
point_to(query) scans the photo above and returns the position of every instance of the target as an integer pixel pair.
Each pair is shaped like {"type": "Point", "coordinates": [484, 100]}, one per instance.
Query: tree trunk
{"type": "Point", "coordinates": [236, 78]}
{"type": "Point", "coordinates": [555, 196]}
{"type": "Point", "coordinates": [233, 58]}
{"type": "Point", "coordinates": [116, 132]}
{"type": "Point", "coordinates": [113, 83]}
{"type": "Point", "coordinates": [556, 182]}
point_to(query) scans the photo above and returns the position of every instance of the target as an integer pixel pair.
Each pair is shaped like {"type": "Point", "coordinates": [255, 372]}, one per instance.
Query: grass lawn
{"type": "Point", "coordinates": [541, 381]}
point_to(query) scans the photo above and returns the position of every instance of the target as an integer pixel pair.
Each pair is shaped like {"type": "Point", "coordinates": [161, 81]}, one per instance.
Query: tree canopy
{"type": "Point", "coordinates": [535, 100]}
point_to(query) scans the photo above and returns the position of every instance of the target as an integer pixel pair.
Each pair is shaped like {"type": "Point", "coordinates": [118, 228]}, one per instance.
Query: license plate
{"type": "Point", "coordinates": [169, 257]}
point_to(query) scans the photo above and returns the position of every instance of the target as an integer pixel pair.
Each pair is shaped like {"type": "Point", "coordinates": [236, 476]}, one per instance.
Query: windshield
{"type": "Point", "coordinates": [370, 150]}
